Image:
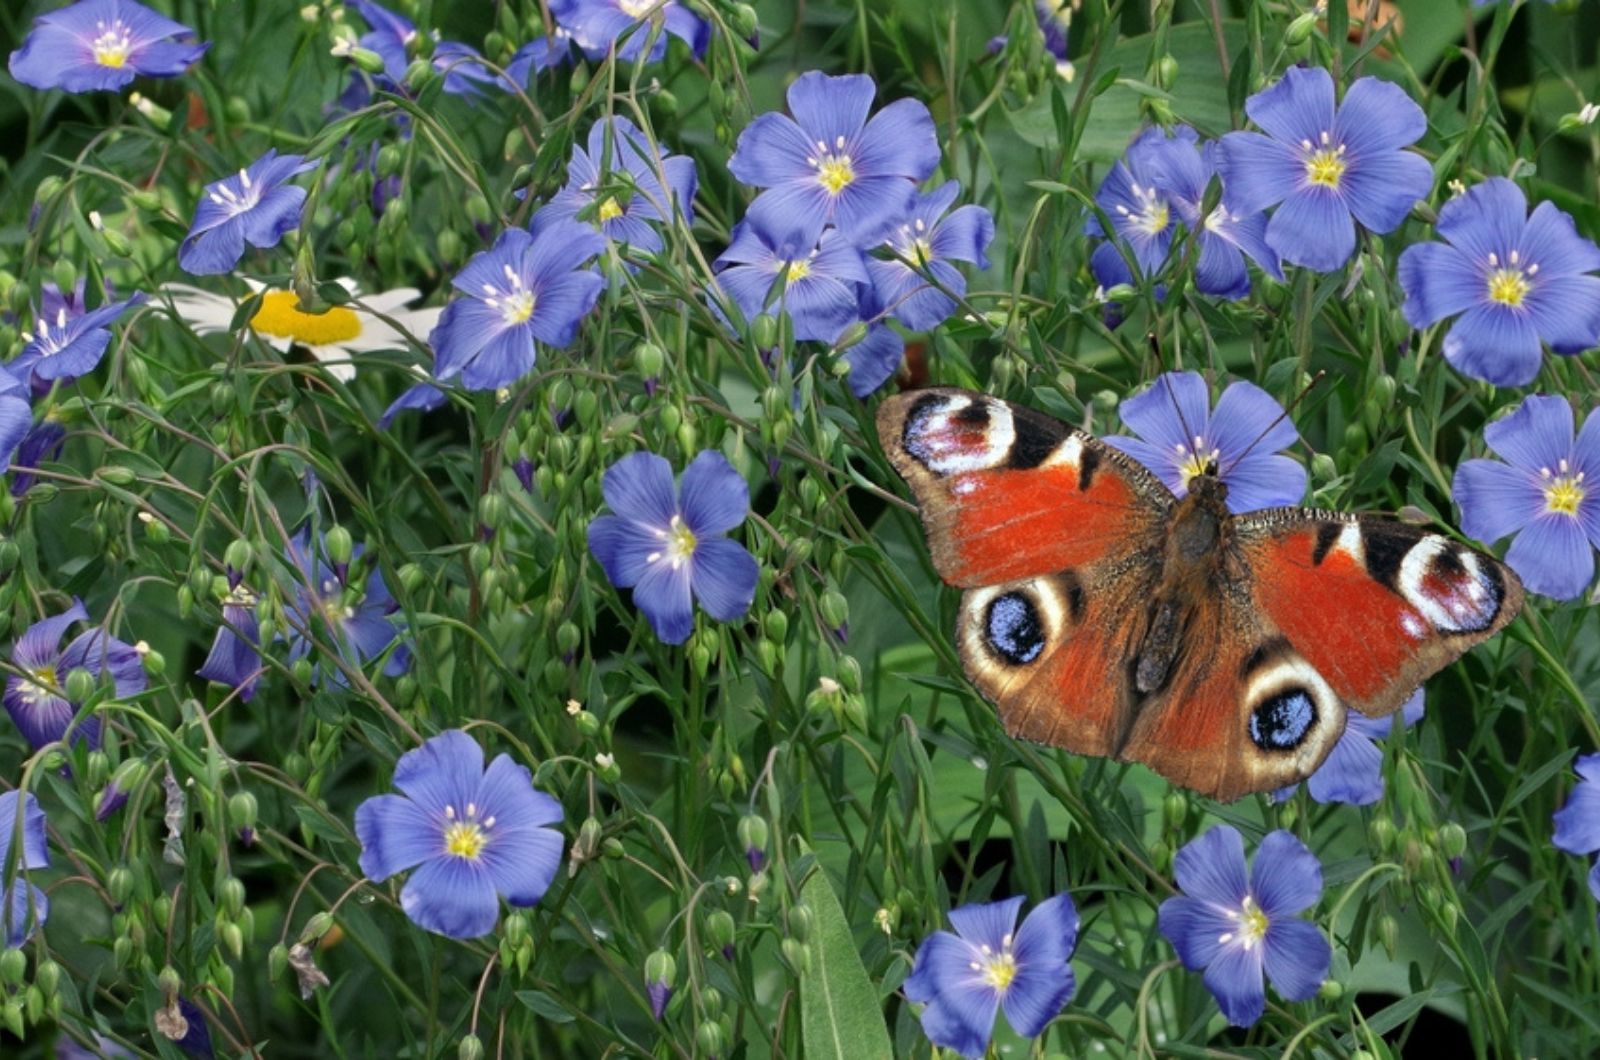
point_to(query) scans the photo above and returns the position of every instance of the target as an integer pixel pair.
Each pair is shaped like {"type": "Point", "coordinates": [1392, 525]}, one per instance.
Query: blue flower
{"type": "Point", "coordinates": [539, 55]}
{"type": "Point", "coordinates": [68, 346]}
{"type": "Point", "coordinates": [1577, 823]}
{"type": "Point", "coordinates": [41, 443]}
{"type": "Point", "coordinates": [1548, 495]}
{"type": "Point", "coordinates": [597, 25]}
{"type": "Point", "coordinates": [821, 290]}
{"type": "Point", "coordinates": [25, 906]}
{"type": "Point", "coordinates": [362, 626]}
{"type": "Point", "coordinates": [1515, 279]}
{"type": "Point", "coordinates": [829, 164]}
{"type": "Point", "coordinates": [964, 979]}
{"type": "Point", "coordinates": [931, 239]}
{"type": "Point", "coordinates": [624, 215]}
{"type": "Point", "coordinates": [1236, 930]}
{"type": "Point", "coordinates": [472, 834]}
{"type": "Point", "coordinates": [16, 419]}
{"type": "Point", "coordinates": [423, 397]}
{"type": "Point", "coordinates": [1353, 771]}
{"type": "Point", "coordinates": [1179, 438]}
{"type": "Point", "coordinates": [668, 545]}
{"type": "Point", "coordinates": [522, 289]}
{"type": "Point", "coordinates": [102, 45]}
{"type": "Point", "coordinates": [255, 207]}
{"type": "Point", "coordinates": [235, 656]}
{"type": "Point", "coordinates": [34, 697]}
{"type": "Point", "coordinates": [1324, 164]}
{"type": "Point", "coordinates": [874, 359]}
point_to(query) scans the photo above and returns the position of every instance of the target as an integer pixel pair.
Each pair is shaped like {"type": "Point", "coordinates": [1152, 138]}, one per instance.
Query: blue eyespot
{"type": "Point", "coordinates": [1282, 722]}
{"type": "Point", "coordinates": [1014, 630]}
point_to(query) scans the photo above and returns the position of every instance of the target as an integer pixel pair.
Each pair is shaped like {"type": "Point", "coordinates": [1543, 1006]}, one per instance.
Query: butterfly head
{"type": "Point", "coordinates": [1208, 488]}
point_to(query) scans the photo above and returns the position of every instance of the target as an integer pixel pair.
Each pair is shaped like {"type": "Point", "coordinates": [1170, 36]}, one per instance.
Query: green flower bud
{"type": "Point", "coordinates": [277, 960]}
{"type": "Point", "coordinates": [368, 60]}
{"type": "Point", "coordinates": [232, 894]}
{"type": "Point", "coordinates": [154, 663]}
{"type": "Point", "coordinates": [801, 921]}
{"type": "Point", "coordinates": [708, 1036]}
{"type": "Point", "coordinates": [1452, 839]}
{"type": "Point", "coordinates": [65, 275]}
{"type": "Point", "coordinates": [419, 75]}
{"type": "Point", "coordinates": [659, 967]}
{"type": "Point", "coordinates": [743, 20]}
{"type": "Point", "coordinates": [242, 810]}
{"type": "Point", "coordinates": [80, 685]}
{"type": "Point", "coordinates": [1330, 990]}
{"type": "Point", "coordinates": [1166, 72]}
{"type": "Point", "coordinates": [764, 331]}
{"type": "Point", "coordinates": [11, 1015]}
{"type": "Point", "coordinates": [116, 476]}
{"type": "Point", "coordinates": [1324, 468]}
{"type": "Point", "coordinates": [835, 608]}
{"type": "Point", "coordinates": [1176, 809]}
{"type": "Point", "coordinates": [169, 981]}
{"type": "Point", "coordinates": [1389, 935]}
{"type": "Point", "coordinates": [13, 966]}
{"type": "Point", "coordinates": [471, 1048]}
{"type": "Point", "coordinates": [850, 336]}
{"type": "Point", "coordinates": [318, 926]}
{"type": "Point", "coordinates": [1300, 29]}
{"type": "Point", "coordinates": [797, 955]}
{"type": "Point", "coordinates": [47, 977]}
{"type": "Point", "coordinates": [340, 546]}
{"type": "Point", "coordinates": [720, 929]}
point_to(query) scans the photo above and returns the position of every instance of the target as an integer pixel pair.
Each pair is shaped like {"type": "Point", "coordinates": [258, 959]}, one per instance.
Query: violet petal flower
{"type": "Point", "coordinates": [363, 629]}
{"type": "Point", "coordinates": [628, 218]}
{"type": "Point", "coordinates": [42, 714]}
{"type": "Point", "coordinates": [932, 238]}
{"type": "Point", "coordinates": [101, 46]}
{"type": "Point", "coordinates": [597, 25]}
{"type": "Point", "coordinates": [23, 907]}
{"type": "Point", "coordinates": [235, 656]}
{"type": "Point", "coordinates": [820, 291]}
{"type": "Point", "coordinates": [255, 206]}
{"type": "Point", "coordinates": [68, 347]}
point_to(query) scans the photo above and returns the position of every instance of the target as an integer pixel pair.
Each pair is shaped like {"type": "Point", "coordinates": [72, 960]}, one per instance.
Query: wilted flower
{"type": "Point", "coordinates": [25, 906]}
{"type": "Point", "coordinates": [34, 698]}
{"type": "Point", "coordinates": [102, 45]}
{"type": "Point", "coordinates": [254, 207]}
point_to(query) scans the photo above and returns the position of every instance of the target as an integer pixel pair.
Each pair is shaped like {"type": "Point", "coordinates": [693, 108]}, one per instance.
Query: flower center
{"type": "Point", "coordinates": [1197, 459]}
{"type": "Point", "coordinates": [998, 970]}
{"type": "Point", "coordinates": [636, 8]}
{"type": "Point", "coordinates": [834, 169]}
{"type": "Point", "coordinates": [608, 210]}
{"type": "Point", "coordinates": [32, 689]}
{"type": "Point", "coordinates": [1253, 924]}
{"type": "Point", "coordinates": [279, 317]}
{"type": "Point", "coordinates": [1150, 214]}
{"type": "Point", "coordinates": [237, 202]}
{"type": "Point", "coordinates": [1325, 163]}
{"type": "Point", "coordinates": [516, 303]}
{"type": "Point", "coordinates": [49, 344]}
{"type": "Point", "coordinates": [466, 836]}
{"type": "Point", "coordinates": [1563, 491]}
{"type": "Point", "coordinates": [677, 543]}
{"type": "Point", "coordinates": [1510, 282]}
{"type": "Point", "coordinates": [799, 268]}
{"type": "Point", "coordinates": [112, 46]}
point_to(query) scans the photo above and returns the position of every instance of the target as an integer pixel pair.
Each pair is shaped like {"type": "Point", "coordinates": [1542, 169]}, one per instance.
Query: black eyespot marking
{"type": "Point", "coordinates": [1265, 652]}
{"type": "Point", "coordinates": [1036, 439]}
{"type": "Point", "coordinates": [1072, 589]}
{"type": "Point", "coordinates": [1282, 722]}
{"type": "Point", "coordinates": [1088, 464]}
{"type": "Point", "coordinates": [1385, 546]}
{"type": "Point", "coordinates": [916, 424]}
{"type": "Point", "coordinates": [974, 415]}
{"type": "Point", "coordinates": [1013, 629]}
{"type": "Point", "coordinates": [1327, 535]}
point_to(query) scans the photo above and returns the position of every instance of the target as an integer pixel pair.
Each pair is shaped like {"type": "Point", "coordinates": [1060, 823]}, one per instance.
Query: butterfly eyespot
{"type": "Point", "coordinates": [1013, 629]}
{"type": "Point", "coordinates": [1281, 722]}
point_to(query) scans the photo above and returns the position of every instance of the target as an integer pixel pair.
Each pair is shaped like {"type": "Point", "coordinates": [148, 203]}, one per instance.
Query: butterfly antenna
{"type": "Point", "coordinates": [1277, 420]}
{"type": "Point", "coordinates": [1165, 379]}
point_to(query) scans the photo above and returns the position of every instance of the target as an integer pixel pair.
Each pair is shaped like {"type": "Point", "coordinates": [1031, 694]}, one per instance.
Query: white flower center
{"type": "Point", "coordinates": [112, 45]}
{"type": "Point", "coordinates": [835, 172]}
{"type": "Point", "coordinates": [515, 302]}
{"type": "Point", "coordinates": [677, 543]}
{"type": "Point", "coordinates": [1509, 281]}
{"type": "Point", "coordinates": [636, 8]}
{"type": "Point", "coordinates": [1253, 924]}
{"type": "Point", "coordinates": [1198, 458]}
{"type": "Point", "coordinates": [36, 686]}
{"type": "Point", "coordinates": [998, 970]}
{"type": "Point", "coordinates": [465, 836]}
{"type": "Point", "coordinates": [1151, 216]}
{"type": "Point", "coordinates": [237, 202]}
{"type": "Point", "coordinates": [1563, 489]}
{"type": "Point", "coordinates": [1324, 161]}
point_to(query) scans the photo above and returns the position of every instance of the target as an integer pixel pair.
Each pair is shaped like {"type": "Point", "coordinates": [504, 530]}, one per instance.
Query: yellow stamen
{"type": "Point", "coordinates": [799, 269]}
{"type": "Point", "coordinates": [1563, 495]}
{"type": "Point", "coordinates": [608, 211]}
{"type": "Point", "coordinates": [1508, 287]}
{"type": "Point", "coordinates": [465, 839]}
{"type": "Point", "coordinates": [1000, 970]}
{"type": "Point", "coordinates": [279, 317]}
{"type": "Point", "coordinates": [32, 689]}
{"type": "Point", "coordinates": [1325, 167]}
{"type": "Point", "coordinates": [835, 173]}
{"type": "Point", "coordinates": [111, 48]}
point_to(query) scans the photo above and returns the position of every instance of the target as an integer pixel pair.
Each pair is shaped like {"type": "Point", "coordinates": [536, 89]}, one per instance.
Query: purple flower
{"type": "Point", "coordinates": [25, 906]}
{"type": "Point", "coordinates": [1577, 823]}
{"type": "Point", "coordinates": [475, 834]}
{"type": "Point", "coordinates": [668, 545]}
{"type": "Point", "coordinates": [539, 55]}
{"type": "Point", "coordinates": [1547, 494]}
{"type": "Point", "coordinates": [874, 359]}
{"type": "Point", "coordinates": [1236, 930]}
{"type": "Point", "coordinates": [69, 346]}
{"type": "Point", "coordinates": [393, 38]}
{"type": "Point", "coordinates": [523, 289]}
{"type": "Point", "coordinates": [1353, 771]}
{"type": "Point", "coordinates": [931, 240]}
{"type": "Point", "coordinates": [624, 211]}
{"type": "Point", "coordinates": [16, 417]}
{"type": "Point", "coordinates": [964, 979]}
{"type": "Point", "coordinates": [829, 164]}
{"type": "Point", "coordinates": [820, 291]}
{"type": "Point", "coordinates": [41, 443]}
{"type": "Point", "coordinates": [1515, 280]}
{"type": "Point", "coordinates": [235, 657]}
{"type": "Point", "coordinates": [1325, 163]}
{"type": "Point", "coordinates": [424, 397]}
{"type": "Point", "coordinates": [102, 45]}
{"type": "Point", "coordinates": [597, 25]}
{"type": "Point", "coordinates": [256, 207]}
{"type": "Point", "coordinates": [360, 623]}
{"type": "Point", "coordinates": [34, 698]}
{"type": "Point", "coordinates": [1179, 439]}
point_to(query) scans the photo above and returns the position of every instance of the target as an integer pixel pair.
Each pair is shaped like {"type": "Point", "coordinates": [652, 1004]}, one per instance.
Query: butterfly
{"type": "Point", "coordinates": [1104, 615]}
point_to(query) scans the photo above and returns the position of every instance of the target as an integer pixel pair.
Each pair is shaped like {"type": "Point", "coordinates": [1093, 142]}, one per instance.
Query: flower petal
{"type": "Point", "coordinates": [1553, 557]}
{"type": "Point", "coordinates": [663, 594]}
{"type": "Point", "coordinates": [1297, 956]}
{"type": "Point", "coordinates": [1043, 950]}
{"type": "Point", "coordinates": [960, 1007]}
{"type": "Point", "coordinates": [1313, 228]}
{"type": "Point", "coordinates": [1287, 877]}
{"type": "Point", "coordinates": [451, 896]}
{"type": "Point", "coordinates": [1211, 868]}
{"type": "Point", "coordinates": [899, 141]}
{"type": "Point", "coordinates": [639, 488]}
{"type": "Point", "coordinates": [713, 496]}
{"type": "Point", "coordinates": [622, 547]}
{"type": "Point", "coordinates": [1551, 240]}
{"type": "Point", "coordinates": [444, 771]}
{"type": "Point", "coordinates": [1171, 413]}
{"type": "Point", "coordinates": [1257, 171]}
{"type": "Point", "coordinates": [1495, 500]}
{"type": "Point", "coordinates": [1495, 344]}
{"type": "Point", "coordinates": [1377, 116]}
{"type": "Point", "coordinates": [1382, 189]}
{"type": "Point", "coordinates": [522, 862]}
{"type": "Point", "coordinates": [506, 793]}
{"type": "Point", "coordinates": [38, 646]}
{"type": "Point", "coordinates": [723, 577]}
{"type": "Point", "coordinates": [1264, 481]}
{"type": "Point", "coordinates": [1248, 418]}
{"type": "Point", "coordinates": [1195, 929]}
{"type": "Point", "coordinates": [1565, 311]}
{"type": "Point", "coordinates": [986, 923]}
{"type": "Point", "coordinates": [1235, 980]}
{"type": "Point", "coordinates": [772, 150]}
{"type": "Point", "coordinates": [396, 834]}
{"type": "Point", "coordinates": [1298, 108]}
{"type": "Point", "coordinates": [1577, 823]}
{"type": "Point", "coordinates": [1439, 281]}
{"type": "Point", "coordinates": [1537, 435]}
{"type": "Point", "coordinates": [829, 108]}
{"type": "Point", "coordinates": [1488, 219]}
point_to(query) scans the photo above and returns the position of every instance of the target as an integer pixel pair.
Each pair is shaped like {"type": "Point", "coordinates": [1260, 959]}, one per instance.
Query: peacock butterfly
{"type": "Point", "coordinates": [1105, 615]}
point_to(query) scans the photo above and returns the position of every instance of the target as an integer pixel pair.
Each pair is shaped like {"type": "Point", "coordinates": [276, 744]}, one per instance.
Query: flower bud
{"type": "Point", "coordinates": [1300, 29]}
{"type": "Point", "coordinates": [232, 895]}
{"type": "Point", "coordinates": [80, 685]}
{"type": "Point", "coordinates": [753, 836]}
{"type": "Point", "coordinates": [316, 927]}
{"type": "Point", "coordinates": [13, 966]}
{"type": "Point", "coordinates": [710, 1038]}
{"type": "Point", "coordinates": [720, 930]}
{"type": "Point", "coordinates": [242, 810]}
{"type": "Point", "coordinates": [340, 546]}
{"type": "Point", "coordinates": [660, 975]}
{"type": "Point", "coordinates": [277, 960]}
{"type": "Point", "coordinates": [1389, 934]}
{"type": "Point", "coordinates": [169, 981]}
{"type": "Point", "coordinates": [1452, 839]}
{"type": "Point", "coordinates": [764, 331]}
{"type": "Point", "coordinates": [801, 921]}
{"type": "Point", "coordinates": [797, 955]}
{"type": "Point", "coordinates": [471, 1048]}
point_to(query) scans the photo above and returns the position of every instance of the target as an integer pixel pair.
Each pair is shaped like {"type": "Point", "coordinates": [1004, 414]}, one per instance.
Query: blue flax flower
{"type": "Point", "coordinates": [16, 419]}
{"type": "Point", "coordinates": [1547, 494]}
{"type": "Point", "coordinates": [393, 38]}
{"type": "Point", "coordinates": [25, 906]}
{"type": "Point", "coordinates": [821, 292]}
{"type": "Point", "coordinates": [102, 45]}
{"type": "Point", "coordinates": [235, 657]}
{"type": "Point", "coordinates": [1353, 771]}
{"type": "Point", "coordinates": [1321, 164]}
{"type": "Point", "coordinates": [597, 25]}
{"type": "Point", "coordinates": [34, 697]}
{"type": "Point", "coordinates": [67, 346]}
{"type": "Point", "coordinates": [255, 206]}
{"type": "Point", "coordinates": [1179, 437]}
{"type": "Point", "coordinates": [831, 164]}
{"type": "Point", "coordinates": [669, 545]}
{"type": "Point", "coordinates": [472, 834]}
{"type": "Point", "coordinates": [964, 979]}
{"type": "Point", "coordinates": [931, 237]}
{"type": "Point", "coordinates": [539, 55]}
{"type": "Point", "coordinates": [1577, 823]}
{"type": "Point", "coordinates": [1236, 929]}
{"type": "Point", "coordinates": [624, 215]}
{"type": "Point", "coordinates": [1515, 280]}
{"type": "Point", "coordinates": [874, 359]}
{"type": "Point", "coordinates": [525, 288]}
{"type": "Point", "coordinates": [41, 443]}
{"type": "Point", "coordinates": [362, 625]}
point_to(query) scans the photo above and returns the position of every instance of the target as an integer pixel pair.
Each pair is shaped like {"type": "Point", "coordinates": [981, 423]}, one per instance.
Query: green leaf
{"type": "Point", "coordinates": [545, 1006]}
{"type": "Point", "coordinates": [840, 1016]}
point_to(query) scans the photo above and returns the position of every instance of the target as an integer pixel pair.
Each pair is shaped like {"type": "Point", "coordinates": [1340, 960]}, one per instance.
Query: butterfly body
{"type": "Point", "coordinates": [1103, 614]}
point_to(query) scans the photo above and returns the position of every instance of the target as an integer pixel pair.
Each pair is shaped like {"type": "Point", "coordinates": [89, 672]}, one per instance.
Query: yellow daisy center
{"type": "Point", "coordinates": [1325, 162]}
{"type": "Point", "coordinates": [280, 317]}
{"type": "Point", "coordinates": [677, 543]}
{"type": "Point", "coordinates": [466, 836]}
{"type": "Point", "coordinates": [1563, 490]}
{"type": "Point", "coordinates": [112, 46]}
{"type": "Point", "coordinates": [1510, 281]}
{"type": "Point", "coordinates": [32, 689]}
{"type": "Point", "coordinates": [834, 169]}
{"type": "Point", "coordinates": [608, 210]}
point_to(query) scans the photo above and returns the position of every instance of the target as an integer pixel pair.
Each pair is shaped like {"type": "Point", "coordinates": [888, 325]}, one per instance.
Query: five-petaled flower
{"type": "Point", "coordinates": [830, 164]}
{"type": "Point", "coordinates": [964, 979]}
{"type": "Point", "coordinates": [23, 907]}
{"type": "Point", "coordinates": [1237, 928]}
{"type": "Point", "coordinates": [1548, 495]}
{"type": "Point", "coordinates": [65, 347]}
{"type": "Point", "coordinates": [525, 288]}
{"type": "Point", "coordinates": [472, 834]}
{"type": "Point", "coordinates": [255, 206]}
{"type": "Point", "coordinates": [1353, 771]}
{"type": "Point", "coordinates": [360, 622]}
{"type": "Point", "coordinates": [1321, 164]}
{"type": "Point", "coordinates": [925, 243]}
{"type": "Point", "coordinates": [1577, 823]}
{"type": "Point", "coordinates": [597, 25]}
{"type": "Point", "coordinates": [1515, 279]}
{"type": "Point", "coordinates": [1179, 438]}
{"type": "Point", "coordinates": [35, 698]}
{"type": "Point", "coordinates": [821, 281]}
{"type": "Point", "coordinates": [102, 45]}
{"type": "Point", "coordinates": [668, 545]}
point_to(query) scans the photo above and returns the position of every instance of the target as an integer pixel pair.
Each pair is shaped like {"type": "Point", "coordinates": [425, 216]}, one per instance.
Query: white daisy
{"type": "Point", "coordinates": [333, 337]}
